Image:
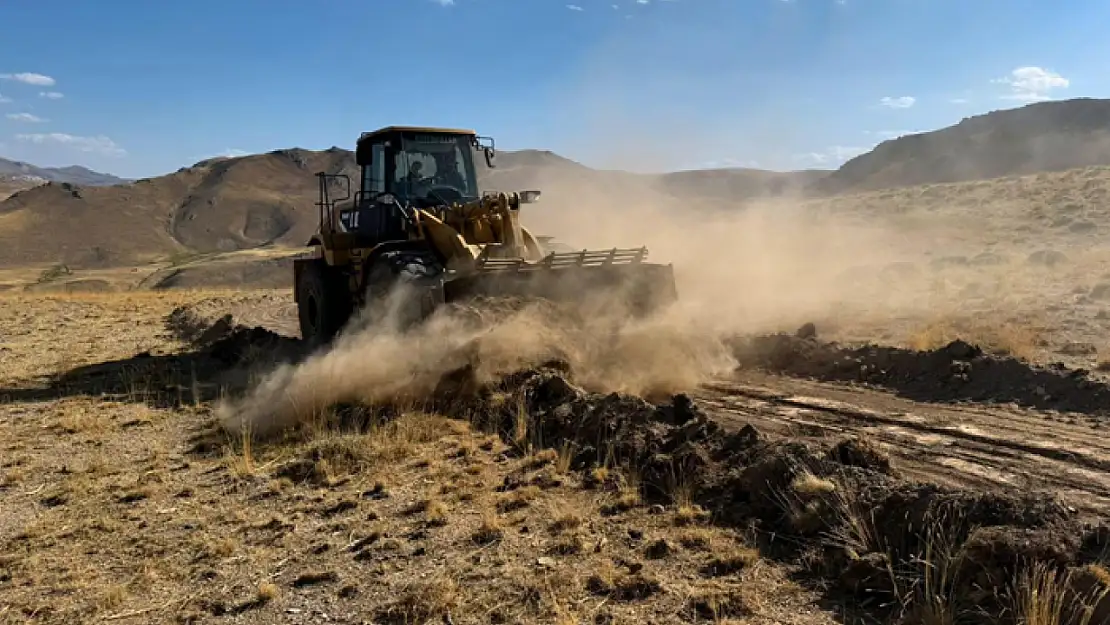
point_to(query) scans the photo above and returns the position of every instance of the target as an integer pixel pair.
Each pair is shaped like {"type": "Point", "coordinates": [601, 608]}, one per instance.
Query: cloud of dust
{"type": "Point", "coordinates": [767, 266]}
{"type": "Point", "coordinates": [762, 266]}
{"type": "Point", "coordinates": [380, 363]}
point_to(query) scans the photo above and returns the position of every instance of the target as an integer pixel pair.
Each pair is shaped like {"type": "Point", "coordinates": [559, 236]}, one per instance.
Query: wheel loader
{"type": "Point", "coordinates": [420, 225]}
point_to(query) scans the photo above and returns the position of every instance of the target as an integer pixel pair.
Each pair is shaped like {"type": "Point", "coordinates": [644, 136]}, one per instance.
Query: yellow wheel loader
{"type": "Point", "coordinates": [420, 225]}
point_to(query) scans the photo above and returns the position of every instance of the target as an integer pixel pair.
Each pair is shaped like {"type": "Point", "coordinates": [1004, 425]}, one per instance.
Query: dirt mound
{"type": "Point", "coordinates": [274, 311]}
{"type": "Point", "coordinates": [230, 343]}
{"type": "Point", "coordinates": [838, 509]}
{"type": "Point", "coordinates": [957, 371]}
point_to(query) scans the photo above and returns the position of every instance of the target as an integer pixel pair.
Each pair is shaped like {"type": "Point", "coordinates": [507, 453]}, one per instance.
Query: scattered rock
{"type": "Point", "coordinates": [1101, 292]}
{"type": "Point", "coordinates": [1078, 349]}
{"type": "Point", "coordinates": [985, 259]}
{"type": "Point", "coordinates": [1046, 258]}
{"type": "Point", "coordinates": [314, 578]}
{"type": "Point", "coordinates": [658, 550]}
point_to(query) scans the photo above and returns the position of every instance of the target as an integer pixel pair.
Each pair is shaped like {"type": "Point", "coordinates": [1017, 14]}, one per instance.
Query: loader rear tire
{"type": "Point", "coordinates": [323, 306]}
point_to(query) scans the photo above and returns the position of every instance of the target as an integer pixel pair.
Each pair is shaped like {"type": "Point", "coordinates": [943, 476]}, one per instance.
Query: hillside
{"type": "Point", "coordinates": [1044, 136]}
{"type": "Point", "coordinates": [73, 174]}
{"type": "Point", "coordinates": [13, 184]}
{"type": "Point", "coordinates": [229, 204]}
{"type": "Point", "coordinates": [216, 205]}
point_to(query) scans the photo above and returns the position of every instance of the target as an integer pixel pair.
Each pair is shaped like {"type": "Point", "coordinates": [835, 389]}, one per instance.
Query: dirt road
{"type": "Point", "coordinates": [1007, 448]}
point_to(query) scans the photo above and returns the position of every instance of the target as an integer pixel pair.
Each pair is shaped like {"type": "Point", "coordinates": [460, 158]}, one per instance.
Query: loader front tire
{"type": "Point", "coordinates": [323, 306]}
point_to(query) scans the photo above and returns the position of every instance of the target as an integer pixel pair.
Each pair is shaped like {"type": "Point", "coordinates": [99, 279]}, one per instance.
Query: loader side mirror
{"type": "Point", "coordinates": [529, 197]}
{"type": "Point", "coordinates": [487, 146]}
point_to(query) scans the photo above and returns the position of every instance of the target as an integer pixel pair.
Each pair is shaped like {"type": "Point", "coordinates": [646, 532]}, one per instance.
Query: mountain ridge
{"type": "Point", "coordinates": [72, 174]}
{"type": "Point", "coordinates": [232, 203]}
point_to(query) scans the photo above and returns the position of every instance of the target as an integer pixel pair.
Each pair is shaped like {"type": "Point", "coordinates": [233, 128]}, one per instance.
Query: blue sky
{"type": "Point", "coordinates": [141, 87]}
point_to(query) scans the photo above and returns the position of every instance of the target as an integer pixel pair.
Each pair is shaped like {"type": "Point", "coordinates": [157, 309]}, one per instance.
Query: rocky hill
{"type": "Point", "coordinates": [1044, 136]}
{"type": "Point", "coordinates": [13, 184]}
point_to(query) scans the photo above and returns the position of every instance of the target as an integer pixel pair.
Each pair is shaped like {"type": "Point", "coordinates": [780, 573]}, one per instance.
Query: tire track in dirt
{"type": "Point", "coordinates": [999, 449]}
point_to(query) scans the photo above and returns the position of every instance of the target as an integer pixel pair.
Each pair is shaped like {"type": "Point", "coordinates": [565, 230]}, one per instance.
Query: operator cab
{"type": "Point", "coordinates": [419, 167]}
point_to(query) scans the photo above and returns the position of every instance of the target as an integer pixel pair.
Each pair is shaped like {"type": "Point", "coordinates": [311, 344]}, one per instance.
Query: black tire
{"type": "Point", "coordinates": [323, 305]}
{"type": "Point", "coordinates": [419, 276]}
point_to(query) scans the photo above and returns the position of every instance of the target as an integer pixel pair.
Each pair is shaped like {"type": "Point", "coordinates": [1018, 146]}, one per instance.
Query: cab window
{"type": "Point", "coordinates": [373, 176]}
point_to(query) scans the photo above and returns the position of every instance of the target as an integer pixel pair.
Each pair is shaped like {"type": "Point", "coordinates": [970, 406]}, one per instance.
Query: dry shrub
{"type": "Point", "coordinates": [268, 591]}
{"type": "Point", "coordinates": [1045, 595]}
{"type": "Point", "coordinates": [436, 513]}
{"type": "Point", "coordinates": [489, 530]}
{"type": "Point", "coordinates": [424, 602]}
{"type": "Point", "coordinates": [1006, 339]}
{"type": "Point", "coordinates": [568, 520]}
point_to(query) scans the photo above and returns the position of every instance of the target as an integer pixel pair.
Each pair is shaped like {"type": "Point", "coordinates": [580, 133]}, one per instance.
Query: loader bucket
{"type": "Point", "coordinates": [618, 277]}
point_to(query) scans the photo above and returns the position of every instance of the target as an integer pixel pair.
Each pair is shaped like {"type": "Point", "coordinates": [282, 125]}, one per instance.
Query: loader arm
{"type": "Point", "coordinates": [448, 242]}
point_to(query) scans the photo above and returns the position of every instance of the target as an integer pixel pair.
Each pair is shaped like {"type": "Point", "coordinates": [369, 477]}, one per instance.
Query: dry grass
{"type": "Point", "coordinates": [258, 530]}
{"type": "Point", "coordinates": [1047, 596]}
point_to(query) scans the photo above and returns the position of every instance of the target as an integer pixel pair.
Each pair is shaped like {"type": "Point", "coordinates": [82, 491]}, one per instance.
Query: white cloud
{"type": "Point", "coordinates": [51, 95]}
{"type": "Point", "coordinates": [445, 3]}
{"type": "Point", "coordinates": [958, 101]}
{"type": "Point", "coordinates": [1031, 84]}
{"type": "Point", "coordinates": [26, 117]}
{"type": "Point", "coordinates": [98, 144]}
{"type": "Point", "coordinates": [729, 163]}
{"type": "Point", "coordinates": [830, 157]}
{"type": "Point", "coordinates": [4, 100]}
{"type": "Point", "coordinates": [575, 7]}
{"type": "Point", "coordinates": [901, 102]}
{"type": "Point", "coordinates": [889, 134]}
{"type": "Point", "coordinates": [30, 79]}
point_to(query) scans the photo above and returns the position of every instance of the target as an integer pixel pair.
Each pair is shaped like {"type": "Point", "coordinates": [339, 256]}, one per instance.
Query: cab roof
{"type": "Point", "coordinates": [428, 129]}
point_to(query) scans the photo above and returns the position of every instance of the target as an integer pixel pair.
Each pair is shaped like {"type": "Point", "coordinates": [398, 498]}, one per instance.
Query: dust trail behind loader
{"type": "Point", "coordinates": [419, 221]}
